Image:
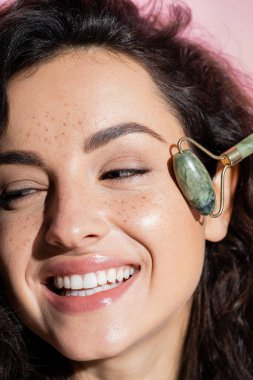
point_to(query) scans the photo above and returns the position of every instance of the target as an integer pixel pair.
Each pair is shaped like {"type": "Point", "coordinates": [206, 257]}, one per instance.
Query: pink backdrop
{"type": "Point", "coordinates": [227, 24]}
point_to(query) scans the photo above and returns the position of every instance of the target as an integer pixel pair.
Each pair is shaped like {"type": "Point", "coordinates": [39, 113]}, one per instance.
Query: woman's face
{"type": "Point", "coordinates": [87, 196]}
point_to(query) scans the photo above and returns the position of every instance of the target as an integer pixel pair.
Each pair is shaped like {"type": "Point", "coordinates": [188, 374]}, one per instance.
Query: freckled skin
{"type": "Point", "coordinates": [144, 218]}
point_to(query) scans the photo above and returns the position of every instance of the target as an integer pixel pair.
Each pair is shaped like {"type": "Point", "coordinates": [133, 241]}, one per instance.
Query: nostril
{"type": "Point", "coordinates": [69, 239]}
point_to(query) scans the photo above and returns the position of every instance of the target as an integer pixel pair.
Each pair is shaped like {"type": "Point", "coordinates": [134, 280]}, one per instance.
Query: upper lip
{"type": "Point", "coordinates": [68, 265]}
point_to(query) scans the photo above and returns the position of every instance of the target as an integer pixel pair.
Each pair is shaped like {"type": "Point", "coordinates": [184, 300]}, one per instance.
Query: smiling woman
{"type": "Point", "coordinates": [106, 271]}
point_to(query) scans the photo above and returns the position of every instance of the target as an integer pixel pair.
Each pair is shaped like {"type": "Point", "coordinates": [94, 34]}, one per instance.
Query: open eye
{"type": "Point", "coordinates": [122, 174]}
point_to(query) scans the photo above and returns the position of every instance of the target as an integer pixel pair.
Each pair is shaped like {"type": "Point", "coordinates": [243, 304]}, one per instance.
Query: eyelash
{"type": "Point", "coordinates": [8, 197]}
{"type": "Point", "coordinates": [117, 175]}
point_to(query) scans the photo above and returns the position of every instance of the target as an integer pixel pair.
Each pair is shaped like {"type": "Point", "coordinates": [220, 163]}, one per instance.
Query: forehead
{"type": "Point", "coordinates": [89, 88]}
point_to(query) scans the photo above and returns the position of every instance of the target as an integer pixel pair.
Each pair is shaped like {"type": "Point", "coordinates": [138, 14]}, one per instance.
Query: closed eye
{"type": "Point", "coordinates": [9, 197]}
{"type": "Point", "coordinates": [123, 174]}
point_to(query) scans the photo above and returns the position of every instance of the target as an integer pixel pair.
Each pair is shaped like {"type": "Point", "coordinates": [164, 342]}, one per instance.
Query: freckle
{"type": "Point", "coordinates": [144, 197]}
{"type": "Point", "coordinates": [46, 129]}
{"type": "Point", "coordinates": [55, 137]}
{"type": "Point", "coordinates": [65, 104]}
{"type": "Point", "coordinates": [46, 140]}
{"type": "Point", "coordinates": [64, 124]}
{"type": "Point", "coordinates": [79, 122]}
{"type": "Point", "coordinates": [39, 123]}
{"type": "Point", "coordinates": [63, 133]}
{"type": "Point", "coordinates": [28, 134]}
{"type": "Point", "coordinates": [34, 117]}
{"type": "Point", "coordinates": [52, 118]}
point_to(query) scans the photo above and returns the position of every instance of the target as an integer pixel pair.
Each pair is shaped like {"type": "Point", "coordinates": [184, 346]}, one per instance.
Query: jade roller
{"type": "Point", "coordinates": [193, 179]}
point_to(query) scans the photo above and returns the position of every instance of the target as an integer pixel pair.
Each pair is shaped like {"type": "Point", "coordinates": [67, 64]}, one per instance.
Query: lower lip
{"type": "Point", "coordinates": [78, 304]}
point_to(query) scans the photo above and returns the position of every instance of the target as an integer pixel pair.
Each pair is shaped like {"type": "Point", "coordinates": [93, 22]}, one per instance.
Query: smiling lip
{"type": "Point", "coordinates": [81, 265]}
{"type": "Point", "coordinates": [78, 304]}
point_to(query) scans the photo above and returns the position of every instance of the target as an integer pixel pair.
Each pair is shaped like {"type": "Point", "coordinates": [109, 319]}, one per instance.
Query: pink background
{"type": "Point", "coordinates": [227, 24]}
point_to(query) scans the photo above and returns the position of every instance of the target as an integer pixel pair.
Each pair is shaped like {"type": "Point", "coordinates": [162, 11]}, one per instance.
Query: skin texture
{"type": "Point", "coordinates": [73, 212]}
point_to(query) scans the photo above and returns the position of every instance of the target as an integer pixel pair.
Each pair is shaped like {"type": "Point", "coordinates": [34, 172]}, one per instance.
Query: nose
{"type": "Point", "coordinates": [74, 220]}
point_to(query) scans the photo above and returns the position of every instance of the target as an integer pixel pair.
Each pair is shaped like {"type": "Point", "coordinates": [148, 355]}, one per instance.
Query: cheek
{"type": "Point", "coordinates": [173, 238]}
{"type": "Point", "coordinates": [157, 218]}
{"type": "Point", "coordinates": [18, 234]}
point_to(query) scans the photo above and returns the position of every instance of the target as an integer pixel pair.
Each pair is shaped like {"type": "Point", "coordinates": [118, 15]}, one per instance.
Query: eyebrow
{"type": "Point", "coordinates": [105, 136]}
{"type": "Point", "coordinates": [93, 142]}
{"type": "Point", "coordinates": [20, 157]}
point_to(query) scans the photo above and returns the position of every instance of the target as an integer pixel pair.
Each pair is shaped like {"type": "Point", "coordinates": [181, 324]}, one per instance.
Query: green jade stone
{"type": "Point", "coordinates": [245, 147]}
{"type": "Point", "coordinates": [194, 182]}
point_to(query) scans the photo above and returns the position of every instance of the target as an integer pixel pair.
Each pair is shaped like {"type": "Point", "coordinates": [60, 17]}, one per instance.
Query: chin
{"type": "Point", "coordinates": [83, 349]}
{"type": "Point", "coordinates": [84, 354]}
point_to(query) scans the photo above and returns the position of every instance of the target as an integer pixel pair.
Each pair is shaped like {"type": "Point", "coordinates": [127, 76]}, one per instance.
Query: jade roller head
{"type": "Point", "coordinates": [193, 179]}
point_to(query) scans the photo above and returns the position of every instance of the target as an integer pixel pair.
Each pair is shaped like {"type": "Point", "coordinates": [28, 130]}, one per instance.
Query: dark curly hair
{"type": "Point", "coordinates": [206, 97]}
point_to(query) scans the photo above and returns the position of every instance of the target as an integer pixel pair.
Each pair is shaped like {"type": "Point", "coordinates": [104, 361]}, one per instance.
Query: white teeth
{"type": "Point", "coordinates": [66, 282]}
{"type": "Point", "coordinates": [111, 275]}
{"type": "Point", "coordinates": [76, 282]}
{"type": "Point", "coordinates": [90, 281]}
{"type": "Point", "coordinates": [101, 277]}
{"type": "Point", "coordinates": [89, 292]}
{"type": "Point", "coordinates": [126, 273]}
{"type": "Point", "coordinates": [93, 280]}
{"type": "Point", "coordinates": [97, 289]}
{"type": "Point", "coordinates": [59, 282]}
{"type": "Point", "coordinates": [120, 274]}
